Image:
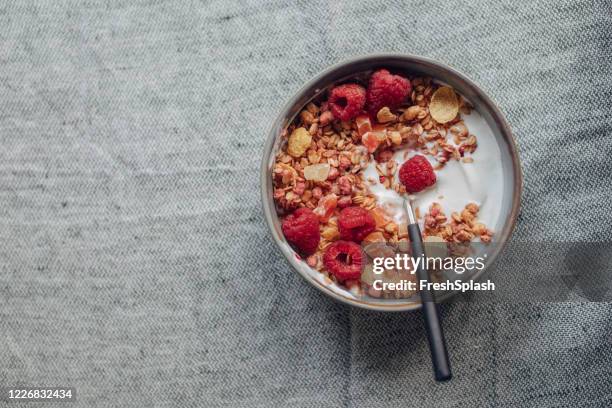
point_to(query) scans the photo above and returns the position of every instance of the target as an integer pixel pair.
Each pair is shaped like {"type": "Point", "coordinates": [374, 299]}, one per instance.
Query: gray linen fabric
{"type": "Point", "coordinates": [135, 261]}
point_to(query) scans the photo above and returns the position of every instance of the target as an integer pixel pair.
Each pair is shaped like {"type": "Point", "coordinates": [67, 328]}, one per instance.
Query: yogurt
{"type": "Point", "coordinates": [457, 184]}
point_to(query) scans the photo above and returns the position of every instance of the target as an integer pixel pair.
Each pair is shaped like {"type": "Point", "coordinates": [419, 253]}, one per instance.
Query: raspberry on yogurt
{"type": "Point", "coordinates": [345, 260]}
{"type": "Point", "coordinates": [355, 223]}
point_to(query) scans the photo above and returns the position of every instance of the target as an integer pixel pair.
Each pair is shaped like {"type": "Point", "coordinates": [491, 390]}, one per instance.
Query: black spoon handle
{"type": "Point", "coordinates": [435, 336]}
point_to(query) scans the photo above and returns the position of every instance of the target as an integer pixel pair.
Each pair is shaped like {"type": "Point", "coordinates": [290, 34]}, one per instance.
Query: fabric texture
{"type": "Point", "coordinates": [135, 261]}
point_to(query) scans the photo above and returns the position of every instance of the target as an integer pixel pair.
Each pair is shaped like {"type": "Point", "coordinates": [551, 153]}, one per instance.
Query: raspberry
{"type": "Point", "coordinates": [347, 101]}
{"type": "Point", "coordinates": [355, 223]}
{"type": "Point", "coordinates": [344, 259]}
{"type": "Point", "coordinates": [386, 90]}
{"type": "Point", "coordinates": [302, 230]}
{"type": "Point", "coordinates": [417, 174]}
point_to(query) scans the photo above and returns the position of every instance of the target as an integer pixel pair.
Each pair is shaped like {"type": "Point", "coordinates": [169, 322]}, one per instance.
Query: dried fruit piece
{"type": "Point", "coordinates": [301, 228]}
{"type": "Point", "coordinates": [326, 206]}
{"type": "Point", "coordinates": [371, 140]}
{"type": "Point", "coordinates": [355, 223]}
{"type": "Point", "coordinates": [347, 101]}
{"type": "Point", "coordinates": [344, 259]}
{"type": "Point", "coordinates": [317, 172]}
{"type": "Point", "coordinates": [363, 124]}
{"type": "Point", "coordinates": [380, 217]}
{"type": "Point", "coordinates": [444, 105]}
{"type": "Point", "coordinates": [417, 174]}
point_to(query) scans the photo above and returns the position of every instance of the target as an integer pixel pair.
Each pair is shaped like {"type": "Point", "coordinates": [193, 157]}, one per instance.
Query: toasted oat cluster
{"type": "Point", "coordinates": [462, 227]}
{"type": "Point", "coordinates": [321, 164]}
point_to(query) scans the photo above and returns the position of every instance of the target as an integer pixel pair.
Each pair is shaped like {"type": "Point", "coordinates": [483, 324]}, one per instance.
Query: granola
{"type": "Point", "coordinates": [322, 164]}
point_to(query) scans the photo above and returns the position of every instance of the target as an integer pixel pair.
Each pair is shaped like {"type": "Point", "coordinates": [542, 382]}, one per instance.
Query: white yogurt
{"type": "Point", "coordinates": [457, 184]}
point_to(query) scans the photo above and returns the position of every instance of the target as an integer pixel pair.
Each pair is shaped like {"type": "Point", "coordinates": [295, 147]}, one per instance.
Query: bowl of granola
{"type": "Point", "coordinates": [355, 141]}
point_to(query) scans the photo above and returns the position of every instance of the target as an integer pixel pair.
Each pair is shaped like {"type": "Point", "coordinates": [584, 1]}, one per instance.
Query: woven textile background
{"type": "Point", "coordinates": [135, 263]}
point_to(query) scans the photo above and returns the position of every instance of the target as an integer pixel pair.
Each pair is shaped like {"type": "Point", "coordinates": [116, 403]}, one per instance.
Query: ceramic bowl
{"type": "Point", "coordinates": [410, 65]}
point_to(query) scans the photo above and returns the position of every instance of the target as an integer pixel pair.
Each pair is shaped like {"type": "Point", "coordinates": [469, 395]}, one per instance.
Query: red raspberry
{"type": "Point", "coordinates": [417, 174]}
{"type": "Point", "coordinates": [344, 259]}
{"type": "Point", "coordinates": [302, 230]}
{"type": "Point", "coordinates": [347, 101]}
{"type": "Point", "coordinates": [386, 90]}
{"type": "Point", "coordinates": [355, 223]}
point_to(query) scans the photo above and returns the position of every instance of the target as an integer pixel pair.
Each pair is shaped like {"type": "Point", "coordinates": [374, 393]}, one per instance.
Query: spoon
{"type": "Point", "coordinates": [433, 326]}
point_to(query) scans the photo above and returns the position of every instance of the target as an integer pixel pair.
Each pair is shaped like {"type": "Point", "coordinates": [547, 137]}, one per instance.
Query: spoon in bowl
{"type": "Point", "coordinates": [433, 326]}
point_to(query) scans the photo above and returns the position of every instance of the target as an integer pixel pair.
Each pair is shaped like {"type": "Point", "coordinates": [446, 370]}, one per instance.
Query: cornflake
{"type": "Point", "coordinates": [299, 142]}
{"type": "Point", "coordinates": [444, 105]}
